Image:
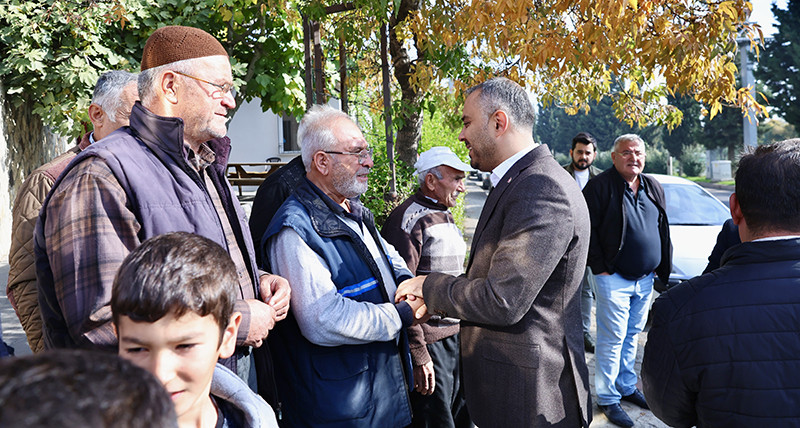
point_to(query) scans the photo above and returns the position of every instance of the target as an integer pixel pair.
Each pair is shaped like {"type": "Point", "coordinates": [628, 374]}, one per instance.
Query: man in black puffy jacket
{"type": "Point", "coordinates": [723, 348]}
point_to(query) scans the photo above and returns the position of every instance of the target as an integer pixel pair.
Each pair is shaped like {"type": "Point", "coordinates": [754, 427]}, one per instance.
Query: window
{"type": "Point", "coordinates": [289, 135]}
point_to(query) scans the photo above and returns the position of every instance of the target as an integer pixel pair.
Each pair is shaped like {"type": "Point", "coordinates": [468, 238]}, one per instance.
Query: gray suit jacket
{"type": "Point", "coordinates": [521, 334]}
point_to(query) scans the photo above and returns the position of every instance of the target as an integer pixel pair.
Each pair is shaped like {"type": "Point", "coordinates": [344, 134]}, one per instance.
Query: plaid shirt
{"type": "Point", "coordinates": [205, 157]}
{"type": "Point", "coordinates": [90, 228]}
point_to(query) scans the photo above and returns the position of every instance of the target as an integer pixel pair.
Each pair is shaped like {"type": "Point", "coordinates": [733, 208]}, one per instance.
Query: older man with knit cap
{"type": "Point", "coordinates": [163, 173]}
{"type": "Point", "coordinates": [423, 231]}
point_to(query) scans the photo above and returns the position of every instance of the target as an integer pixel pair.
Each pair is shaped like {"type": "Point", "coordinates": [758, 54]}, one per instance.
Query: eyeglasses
{"type": "Point", "coordinates": [362, 155]}
{"type": "Point", "coordinates": [224, 89]}
{"type": "Point", "coordinates": [628, 153]}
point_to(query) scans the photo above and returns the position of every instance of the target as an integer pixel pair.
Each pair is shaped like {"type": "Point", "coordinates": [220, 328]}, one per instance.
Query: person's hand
{"type": "Point", "coordinates": [418, 307]}
{"type": "Point", "coordinates": [424, 378]}
{"type": "Point", "coordinates": [412, 286]}
{"type": "Point", "coordinates": [275, 291]}
{"type": "Point", "coordinates": [262, 320]}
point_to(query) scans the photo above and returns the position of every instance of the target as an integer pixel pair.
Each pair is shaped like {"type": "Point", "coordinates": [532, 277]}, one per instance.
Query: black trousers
{"type": "Point", "coordinates": [447, 406]}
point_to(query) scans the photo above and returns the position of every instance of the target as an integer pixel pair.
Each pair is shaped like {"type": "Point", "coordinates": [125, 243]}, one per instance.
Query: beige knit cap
{"type": "Point", "coordinates": [175, 43]}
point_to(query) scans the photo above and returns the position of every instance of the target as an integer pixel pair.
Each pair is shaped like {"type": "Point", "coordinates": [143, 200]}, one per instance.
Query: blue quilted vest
{"type": "Point", "coordinates": [349, 385]}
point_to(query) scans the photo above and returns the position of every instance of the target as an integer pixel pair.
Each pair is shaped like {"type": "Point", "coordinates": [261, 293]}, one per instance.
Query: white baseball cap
{"type": "Point", "coordinates": [440, 156]}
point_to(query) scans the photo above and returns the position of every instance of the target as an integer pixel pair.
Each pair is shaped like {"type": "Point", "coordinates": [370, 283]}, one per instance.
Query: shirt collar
{"type": "Point", "coordinates": [504, 166]}
{"type": "Point", "coordinates": [776, 238]}
{"type": "Point", "coordinates": [642, 185]}
{"type": "Point", "coordinates": [428, 202]}
{"type": "Point", "coordinates": [203, 158]}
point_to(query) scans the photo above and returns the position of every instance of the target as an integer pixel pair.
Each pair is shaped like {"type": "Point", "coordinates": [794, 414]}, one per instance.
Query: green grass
{"type": "Point", "coordinates": [705, 180]}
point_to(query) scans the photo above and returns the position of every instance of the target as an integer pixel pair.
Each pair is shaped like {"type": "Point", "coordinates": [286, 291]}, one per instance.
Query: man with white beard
{"type": "Point", "coordinates": [342, 354]}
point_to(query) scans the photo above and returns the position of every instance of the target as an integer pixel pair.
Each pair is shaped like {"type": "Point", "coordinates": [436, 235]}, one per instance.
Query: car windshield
{"type": "Point", "coordinates": [688, 204]}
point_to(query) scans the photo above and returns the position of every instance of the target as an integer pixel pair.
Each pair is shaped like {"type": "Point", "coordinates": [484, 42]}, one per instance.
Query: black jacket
{"type": "Point", "coordinates": [275, 189]}
{"type": "Point", "coordinates": [604, 198]}
{"type": "Point", "coordinates": [723, 347]}
{"type": "Point", "coordinates": [727, 237]}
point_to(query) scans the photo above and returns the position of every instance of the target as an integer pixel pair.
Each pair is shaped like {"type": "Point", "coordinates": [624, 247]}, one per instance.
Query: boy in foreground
{"type": "Point", "coordinates": [172, 303]}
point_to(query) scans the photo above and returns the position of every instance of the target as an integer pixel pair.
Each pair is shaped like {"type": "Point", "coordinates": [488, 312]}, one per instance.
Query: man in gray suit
{"type": "Point", "coordinates": [521, 344]}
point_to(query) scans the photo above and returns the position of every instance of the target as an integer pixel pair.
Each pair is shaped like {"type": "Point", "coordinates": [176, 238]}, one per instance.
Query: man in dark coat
{"type": "Point", "coordinates": [521, 338]}
{"type": "Point", "coordinates": [629, 244]}
{"type": "Point", "coordinates": [728, 237]}
{"type": "Point", "coordinates": [582, 155]}
{"type": "Point", "coordinates": [723, 347]}
{"type": "Point", "coordinates": [269, 197]}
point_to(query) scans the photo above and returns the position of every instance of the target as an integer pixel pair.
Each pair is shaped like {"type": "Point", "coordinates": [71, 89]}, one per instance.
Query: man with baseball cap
{"type": "Point", "coordinates": [423, 231]}
{"type": "Point", "coordinates": [163, 173]}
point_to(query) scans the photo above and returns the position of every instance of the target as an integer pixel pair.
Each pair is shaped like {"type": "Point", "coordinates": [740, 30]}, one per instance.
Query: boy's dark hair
{"type": "Point", "coordinates": [79, 388]}
{"type": "Point", "coordinates": [584, 138]}
{"type": "Point", "coordinates": [175, 273]}
{"type": "Point", "coordinates": [766, 187]}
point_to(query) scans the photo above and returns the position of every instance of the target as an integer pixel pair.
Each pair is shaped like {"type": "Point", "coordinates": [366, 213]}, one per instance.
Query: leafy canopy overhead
{"type": "Point", "coordinates": [570, 52]}
{"type": "Point", "coordinates": [52, 52]}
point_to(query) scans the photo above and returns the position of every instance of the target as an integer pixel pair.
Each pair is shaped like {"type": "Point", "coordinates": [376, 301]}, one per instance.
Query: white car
{"type": "Point", "coordinates": [695, 219]}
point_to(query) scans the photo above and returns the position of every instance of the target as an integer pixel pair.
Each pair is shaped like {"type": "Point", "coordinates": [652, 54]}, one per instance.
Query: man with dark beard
{"type": "Point", "coordinates": [342, 354]}
{"type": "Point", "coordinates": [582, 154]}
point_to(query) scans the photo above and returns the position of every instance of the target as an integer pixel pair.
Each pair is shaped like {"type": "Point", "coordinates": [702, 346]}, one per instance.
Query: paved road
{"type": "Point", "coordinates": [12, 330]}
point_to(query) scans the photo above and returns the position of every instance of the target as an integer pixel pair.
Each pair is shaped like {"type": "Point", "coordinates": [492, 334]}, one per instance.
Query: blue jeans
{"type": "Point", "coordinates": [587, 300]}
{"type": "Point", "coordinates": [622, 307]}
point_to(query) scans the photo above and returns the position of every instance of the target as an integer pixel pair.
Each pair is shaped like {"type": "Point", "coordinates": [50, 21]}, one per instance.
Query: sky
{"type": "Point", "coordinates": [762, 14]}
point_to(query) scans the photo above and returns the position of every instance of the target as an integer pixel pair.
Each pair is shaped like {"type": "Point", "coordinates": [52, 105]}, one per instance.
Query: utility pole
{"type": "Point", "coordinates": [749, 120]}
{"type": "Point", "coordinates": [391, 195]}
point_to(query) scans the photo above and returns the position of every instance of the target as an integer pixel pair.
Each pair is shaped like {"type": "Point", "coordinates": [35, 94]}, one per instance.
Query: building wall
{"type": "Point", "coordinates": [256, 135]}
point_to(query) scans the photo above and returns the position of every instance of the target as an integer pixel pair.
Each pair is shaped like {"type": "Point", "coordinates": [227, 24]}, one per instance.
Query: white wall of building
{"type": "Point", "coordinates": [256, 135]}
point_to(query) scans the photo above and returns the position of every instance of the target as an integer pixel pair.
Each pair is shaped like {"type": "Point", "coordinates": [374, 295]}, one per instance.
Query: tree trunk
{"type": "Point", "coordinates": [28, 141]}
{"type": "Point", "coordinates": [410, 111]}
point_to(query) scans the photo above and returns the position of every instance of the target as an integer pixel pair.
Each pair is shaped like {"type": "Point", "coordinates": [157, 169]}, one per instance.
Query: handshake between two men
{"type": "Point", "coordinates": [410, 291]}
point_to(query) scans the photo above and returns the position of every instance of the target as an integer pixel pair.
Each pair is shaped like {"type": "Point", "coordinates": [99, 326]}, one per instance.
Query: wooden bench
{"type": "Point", "coordinates": [250, 173]}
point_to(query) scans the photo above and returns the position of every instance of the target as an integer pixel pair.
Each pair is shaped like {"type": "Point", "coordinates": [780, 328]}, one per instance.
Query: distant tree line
{"type": "Point", "coordinates": [778, 81]}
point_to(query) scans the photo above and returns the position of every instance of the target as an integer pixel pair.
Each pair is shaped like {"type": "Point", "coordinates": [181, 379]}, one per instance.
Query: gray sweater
{"type": "Point", "coordinates": [238, 404]}
{"type": "Point", "coordinates": [425, 234]}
